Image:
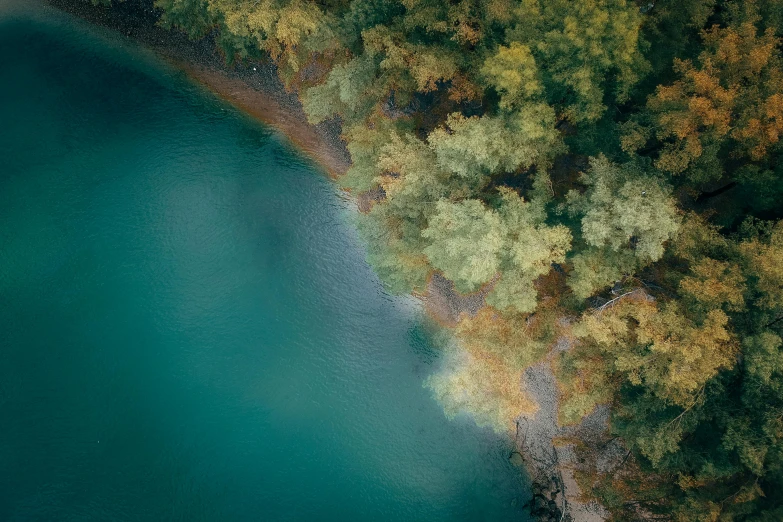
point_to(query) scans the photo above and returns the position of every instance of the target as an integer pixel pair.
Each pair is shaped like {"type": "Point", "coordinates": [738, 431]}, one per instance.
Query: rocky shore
{"type": "Point", "coordinates": [549, 452]}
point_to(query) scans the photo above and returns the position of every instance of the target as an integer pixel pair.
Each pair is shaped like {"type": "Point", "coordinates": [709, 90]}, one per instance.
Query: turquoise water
{"type": "Point", "coordinates": [188, 328]}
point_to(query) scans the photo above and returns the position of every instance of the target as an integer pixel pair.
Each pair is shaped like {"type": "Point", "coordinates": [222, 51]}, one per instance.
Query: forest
{"type": "Point", "coordinates": [607, 171]}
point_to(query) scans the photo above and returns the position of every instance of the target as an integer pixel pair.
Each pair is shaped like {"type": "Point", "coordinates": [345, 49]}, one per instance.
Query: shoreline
{"type": "Point", "coordinates": [255, 89]}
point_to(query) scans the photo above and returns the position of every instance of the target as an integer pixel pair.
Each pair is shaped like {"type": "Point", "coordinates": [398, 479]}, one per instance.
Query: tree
{"type": "Point", "coordinates": [590, 51]}
{"type": "Point", "coordinates": [628, 211]}
{"type": "Point", "coordinates": [659, 349]}
{"type": "Point", "coordinates": [191, 15]}
{"type": "Point", "coordinates": [289, 30]}
{"type": "Point", "coordinates": [628, 217]}
{"type": "Point", "coordinates": [715, 284]}
{"type": "Point", "coordinates": [466, 239]}
{"type": "Point", "coordinates": [483, 387]}
{"type": "Point", "coordinates": [472, 245]}
{"type": "Point", "coordinates": [343, 92]}
{"type": "Point", "coordinates": [732, 98]}
{"type": "Point", "coordinates": [764, 263]}
{"type": "Point", "coordinates": [479, 146]}
{"type": "Point", "coordinates": [514, 74]}
{"type": "Point", "coordinates": [530, 247]}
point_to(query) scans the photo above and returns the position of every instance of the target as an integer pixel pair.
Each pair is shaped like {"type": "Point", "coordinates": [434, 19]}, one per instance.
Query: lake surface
{"type": "Point", "coordinates": [188, 328]}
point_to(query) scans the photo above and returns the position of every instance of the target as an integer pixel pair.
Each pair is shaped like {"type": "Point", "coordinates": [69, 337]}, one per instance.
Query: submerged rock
{"type": "Point", "coordinates": [516, 458]}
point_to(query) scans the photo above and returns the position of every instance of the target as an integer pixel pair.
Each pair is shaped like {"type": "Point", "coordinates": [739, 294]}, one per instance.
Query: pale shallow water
{"type": "Point", "coordinates": [188, 328]}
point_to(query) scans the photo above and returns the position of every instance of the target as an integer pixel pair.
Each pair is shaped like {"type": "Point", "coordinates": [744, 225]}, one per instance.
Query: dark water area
{"type": "Point", "coordinates": [188, 328]}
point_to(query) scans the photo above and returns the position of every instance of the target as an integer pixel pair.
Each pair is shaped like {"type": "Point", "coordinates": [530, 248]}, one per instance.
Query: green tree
{"type": "Point", "coordinates": [466, 239]}
{"type": "Point", "coordinates": [477, 146]}
{"type": "Point", "coordinates": [591, 51]}
{"type": "Point", "coordinates": [627, 219]}
{"type": "Point", "coordinates": [472, 245]}
{"type": "Point", "coordinates": [529, 249]}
